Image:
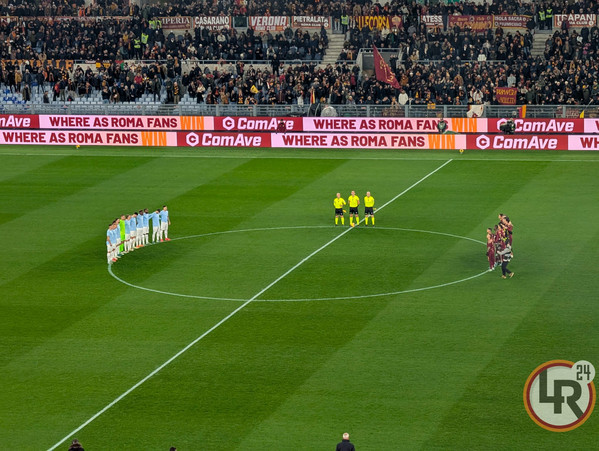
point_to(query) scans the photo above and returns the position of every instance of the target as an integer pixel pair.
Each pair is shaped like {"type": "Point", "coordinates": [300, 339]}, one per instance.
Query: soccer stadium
{"type": "Point", "coordinates": [329, 224]}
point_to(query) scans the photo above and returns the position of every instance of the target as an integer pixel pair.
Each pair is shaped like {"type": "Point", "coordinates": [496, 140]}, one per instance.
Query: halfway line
{"type": "Point", "coordinates": [230, 315]}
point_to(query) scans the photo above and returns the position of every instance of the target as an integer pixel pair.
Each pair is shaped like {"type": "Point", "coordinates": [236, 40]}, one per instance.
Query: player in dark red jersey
{"type": "Point", "coordinates": [509, 228]}
{"type": "Point", "coordinates": [490, 249]}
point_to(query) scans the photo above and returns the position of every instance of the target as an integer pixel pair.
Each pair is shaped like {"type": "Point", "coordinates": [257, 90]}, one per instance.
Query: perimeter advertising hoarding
{"type": "Point", "coordinates": [88, 122]}
{"type": "Point", "coordinates": [546, 125]}
{"type": "Point", "coordinates": [88, 138]}
{"type": "Point", "coordinates": [517, 142]}
{"type": "Point", "coordinates": [368, 141]}
{"type": "Point", "coordinates": [388, 124]}
{"type": "Point", "coordinates": [257, 123]}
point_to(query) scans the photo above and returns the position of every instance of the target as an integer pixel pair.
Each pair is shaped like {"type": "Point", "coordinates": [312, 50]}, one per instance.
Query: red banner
{"type": "Point", "coordinates": [506, 96]}
{"type": "Point", "coordinates": [540, 125]}
{"type": "Point", "coordinates": [383, 71]}
{"type": "Point", "coordinates": [234, 139]}
{"type": "Point", "coordinates": [268, 23]}
{"type": "Point", "coordinates": [519, 142]}
{"type": "Point", "coordinates": [575, 20]}
{"type": "Point", "coordinates": [270, 124]}
{"type": "Point", "coordinates": [396, 22]}
{"type": "Point", "coordinates": [310, 22]}
{"type": "Point", "coordinates": [176, 22]}
{"type": "Point", "coordinates": [508, 21]}
{"type": "Point", "coordinates": [212, 22]}
{"type": "Point", "coordinates": [373, 22]}
{"type": "Point", "coordinates": [478, 24]}
{"type": "Point", "coordinates": [19, 121]}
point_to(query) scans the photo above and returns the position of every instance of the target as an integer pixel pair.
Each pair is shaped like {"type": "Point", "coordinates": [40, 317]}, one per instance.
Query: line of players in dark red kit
{"type": "Point", "coordinates": [499, 245]}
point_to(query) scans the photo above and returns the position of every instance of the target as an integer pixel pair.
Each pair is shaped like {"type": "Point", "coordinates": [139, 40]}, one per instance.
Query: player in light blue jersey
{"type": "Point", "coordinates": [117, 238]}
{"type": "Point", "coordinates": [127, 233]}
{"type": "Point", "coordinates": [109, 244]}
{"type": "Point", "coordinates": [146, 226]}
{"type": "Point", "coordinates": [164, 223]}
{"type": "Point", "coordinates": [155, 225]}
{"type": "Point", "coordinates": [133, 230]}
{"type": "Point", "coordinates": [139, 234]}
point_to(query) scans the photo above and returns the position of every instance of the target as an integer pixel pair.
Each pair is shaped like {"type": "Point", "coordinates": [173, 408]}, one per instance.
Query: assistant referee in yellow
{"type": "Point", "coordinates": [368, 208]}
{"type": "Point", "coordinates": [339, 202]}
{"type": "Point", "coordinates": [354, 201]}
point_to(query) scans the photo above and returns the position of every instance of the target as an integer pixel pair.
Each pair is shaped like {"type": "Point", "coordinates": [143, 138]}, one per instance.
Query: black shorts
{"type": "Point", "coordinates": [353, 210]}
{"type": "Point", "coordinates": [338, 211]}
{"type": "Point", "coordinates": [368, 210]}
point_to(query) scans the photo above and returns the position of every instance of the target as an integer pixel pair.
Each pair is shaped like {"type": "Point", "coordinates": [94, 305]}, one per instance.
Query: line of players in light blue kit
{"type": "Point", "coordinates": [130, 232]}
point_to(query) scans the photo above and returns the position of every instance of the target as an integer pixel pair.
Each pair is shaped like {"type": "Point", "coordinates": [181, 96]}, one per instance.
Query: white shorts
{"type": "Point", "coordinates": [140, 231]}
{"type": "Point", "coordinates": [127, 236]}
{"type": "Point", "coordinates": [108, 246]}
{"type": "Point", "coordinates": [163, 225]}
{"type": "Point", "coordinates": [146, 230]}
{"type": "Point", "coordinates": [118, 242]}
{"type": "Point", "coordinates": [132, 234]}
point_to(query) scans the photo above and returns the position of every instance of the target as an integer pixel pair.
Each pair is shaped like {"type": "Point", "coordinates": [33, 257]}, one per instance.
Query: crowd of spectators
{"type": "Point", "coordinates": [538, 81]}
{"type": "Point", "coordinates": [423, 44]}
{"type": "Point", "coordinates": [120, 39]}
{"type": "Point", "coordinates": [441, 66]}
{"type": "Point", "coordinates": [66, 8]}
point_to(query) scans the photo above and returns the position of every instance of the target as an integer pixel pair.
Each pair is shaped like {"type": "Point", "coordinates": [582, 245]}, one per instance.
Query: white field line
{"type": "Point", "coordinates": [226, 318]}
{"type": "Point", "coordinates": [299, 157]}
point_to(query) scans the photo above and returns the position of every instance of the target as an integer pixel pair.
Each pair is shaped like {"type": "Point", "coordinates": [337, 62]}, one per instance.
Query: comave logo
{"type": "Point", "coordinates": [559, 395]}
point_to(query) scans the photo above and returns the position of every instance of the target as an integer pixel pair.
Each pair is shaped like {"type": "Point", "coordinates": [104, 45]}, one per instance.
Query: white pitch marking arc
{"type": "Point", "coordinates": [262, 229]}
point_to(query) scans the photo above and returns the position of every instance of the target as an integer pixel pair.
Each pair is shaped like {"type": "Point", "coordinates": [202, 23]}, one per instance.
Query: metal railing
{"type": "Point", "coordinates": [492, 111]}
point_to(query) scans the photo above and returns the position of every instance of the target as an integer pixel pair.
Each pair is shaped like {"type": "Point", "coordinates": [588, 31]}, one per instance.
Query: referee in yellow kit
{"type": "Point", "coordinates": [368, 208]}
{"type": "Point", "coordinates": [339, 202]}
{"type": "Point", "coordinates": [354, 201]}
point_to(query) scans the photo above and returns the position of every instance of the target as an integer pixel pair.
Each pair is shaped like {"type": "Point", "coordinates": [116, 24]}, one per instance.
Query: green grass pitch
{"type": "Point", "coordinates": [351, 340]}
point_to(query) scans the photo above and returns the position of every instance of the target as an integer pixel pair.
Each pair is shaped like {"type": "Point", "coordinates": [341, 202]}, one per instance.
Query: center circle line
{"type": "Point", "coordinates": [263, 229]}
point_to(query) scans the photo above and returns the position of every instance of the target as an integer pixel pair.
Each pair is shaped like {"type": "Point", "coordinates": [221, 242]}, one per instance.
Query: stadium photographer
{"type": "Point", "coordinates": [508, 127]}
{"type": "Point", "coordinates": [442, 126]}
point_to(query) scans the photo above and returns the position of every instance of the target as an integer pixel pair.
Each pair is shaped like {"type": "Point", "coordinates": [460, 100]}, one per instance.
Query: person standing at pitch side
{"type": "Point", "coordinates": [339, 202]}
{"type": "Point", "coordinates": [368, 208]}
{"type": "Point", "coordinates": [345, 444]}
{"type": "Point", "coordinates": [354, 201]}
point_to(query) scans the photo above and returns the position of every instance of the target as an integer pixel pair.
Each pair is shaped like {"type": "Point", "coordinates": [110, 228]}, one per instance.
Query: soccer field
{"type": "Point", "coordinates": [262, 326]}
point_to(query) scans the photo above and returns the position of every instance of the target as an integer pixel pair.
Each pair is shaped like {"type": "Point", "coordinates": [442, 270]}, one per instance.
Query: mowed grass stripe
{"type": "Point", "coordinates": [284, 275]}
{"type": "Point", "coordinates": [224, 263]}
{"type": "Point", "coordinates": [384, 383]}
{"type": "Point", "coordinates": [13, 166]}
{"type": "Point", "coordinates": [87, 210]}
{"type": "Point", "coordinates": [152, 429]}
{"type": "Point", "coordinates": [557, 284]}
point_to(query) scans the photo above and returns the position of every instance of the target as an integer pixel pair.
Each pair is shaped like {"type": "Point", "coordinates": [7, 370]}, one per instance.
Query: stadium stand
{"type": "Point", "coordinates": [435, 65]}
